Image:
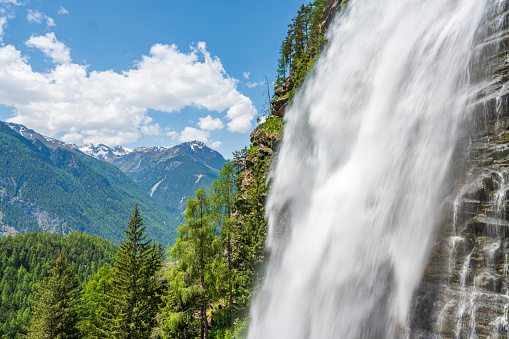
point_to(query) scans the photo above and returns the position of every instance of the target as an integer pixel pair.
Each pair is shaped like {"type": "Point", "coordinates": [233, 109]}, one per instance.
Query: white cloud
{"type": "Point", "coordinates": [174, 135]}
{"type": "Point", "coordinates": [10, 2]}
{"type": "Point", "coordinates": [151, 129]}
{"type": "Point", "coordinates": [3, 22]}
{"type": "Point", "coordinates": [51, 47]}
{"type": "Point", "coordinates": [62, 11]}
{"type": "Point", "coordinates": [210, 124]}
{"type": "Point", "coordinates": [73, 101]}
{"type": "Point", "coordinates": [50, 22]}
{"type": "Point", "coordinates": [240, 115]}
{"type": "Point", "coordinates": [191, 133]}
{"type": "Point", "coordinates": [215, 144]}
{"type": "Point", "coordinates": [254, 84]}
{"type": "Point", "coordinates": [246, 75]}
{"type": "Point", "coordinates": [34, 16]}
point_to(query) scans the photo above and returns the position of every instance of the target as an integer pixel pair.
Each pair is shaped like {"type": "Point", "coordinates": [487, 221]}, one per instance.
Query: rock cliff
{"type": "Point", "coordinates": [464, 290]}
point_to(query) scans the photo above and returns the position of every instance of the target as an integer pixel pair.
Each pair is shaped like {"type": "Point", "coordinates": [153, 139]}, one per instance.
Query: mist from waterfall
{"type": "Point", "coordinates": [358, 184]}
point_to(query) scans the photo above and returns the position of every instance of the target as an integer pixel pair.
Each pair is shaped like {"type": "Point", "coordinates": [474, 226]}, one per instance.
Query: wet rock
{"type": "Point", "coordinates": [499, 154]}
{"type": "Point", "coordinates": [489, 184]}
{"type": "Point", "coordinates": [477, 192]}
{"type": "Point", "coordinates": [476, 227]}
{"type": "Point", "coordinates": [490, 281]}
{"type": "Point", "coordinates": [461, 246]}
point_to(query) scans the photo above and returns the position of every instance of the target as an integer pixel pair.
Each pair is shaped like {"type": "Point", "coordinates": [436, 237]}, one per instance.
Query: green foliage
{"type": "Point", "coordinates": [137, 288]}
{"type": "Point", "coordinates": [303, 41]}
{"type": "Point", "coordinates": [94, 298]}
{"type": "Point", "coordinates": [216, 257]}
{"type": "Point", "coordinates": [25, 261]}
{"type": "Point", "coordinates": [55, 311]}
{"type": "Point", "coordinates": [194, 253]}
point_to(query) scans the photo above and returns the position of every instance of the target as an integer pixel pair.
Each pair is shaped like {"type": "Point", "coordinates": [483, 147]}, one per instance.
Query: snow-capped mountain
{"type": "Point", "coordinates": [48, 185]}
{"type": "Point", "coordinates": [103, 152]}
{"type": "Point", "coordinates": [37, 137]}
{"type": "Point", "coordinates": [169, 175]}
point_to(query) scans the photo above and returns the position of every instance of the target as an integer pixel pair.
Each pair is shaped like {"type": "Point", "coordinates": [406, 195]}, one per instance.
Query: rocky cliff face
{"type": "Point", "coordinates": [464, 290]}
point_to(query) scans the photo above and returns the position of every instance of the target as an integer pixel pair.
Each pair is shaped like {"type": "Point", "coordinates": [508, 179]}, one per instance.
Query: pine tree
{"type": "Point", "coordinates": [137, 286]}
{"type": "Point", "coordinates": [55, 312]}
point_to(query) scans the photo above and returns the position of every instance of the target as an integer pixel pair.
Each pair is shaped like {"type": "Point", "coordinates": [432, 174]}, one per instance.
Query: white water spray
{"type": "Point", "coordinates": [358, 183]}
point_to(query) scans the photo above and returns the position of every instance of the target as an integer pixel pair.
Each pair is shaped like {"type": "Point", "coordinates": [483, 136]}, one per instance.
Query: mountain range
{"type": "Point", "coordinates": [168, 175]}
{"type": "Point", "coordinates": [49, 185]}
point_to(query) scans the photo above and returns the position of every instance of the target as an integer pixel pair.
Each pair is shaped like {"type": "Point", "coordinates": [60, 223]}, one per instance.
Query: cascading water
{"type": "Point", "coordinates": [358, 183]}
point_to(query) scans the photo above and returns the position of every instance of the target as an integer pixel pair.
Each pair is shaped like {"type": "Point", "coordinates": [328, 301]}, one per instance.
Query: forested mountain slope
{"type": "Point", "coordinates": [59, 189]}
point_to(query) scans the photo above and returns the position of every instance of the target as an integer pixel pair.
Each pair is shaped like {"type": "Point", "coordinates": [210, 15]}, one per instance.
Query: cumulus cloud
{"type": "Point", "coordinates": [246, 75]}
{"type": "Point", "coordinates": [51, 47]}
{"type": "Point", "coordinates": [174, 135]}
{"type": "Point", "coordinates": [191, 134]}
{"type": "Point", "coordinates": [151, 129]}
{"type": "Point", "coordinates": [240, 115]}
{"type": "Point", "coordinates": [215, 144]}
{"type": "Point", "coordinates": [72, 101]}
{"type": "Point", "coordinates": [62, 11]}
{"type": "Point", "coordinates": [210, 124]}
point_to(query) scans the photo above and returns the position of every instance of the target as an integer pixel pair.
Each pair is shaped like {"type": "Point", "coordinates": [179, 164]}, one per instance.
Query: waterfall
{"type": "Point", "coordinates": [359, 181]}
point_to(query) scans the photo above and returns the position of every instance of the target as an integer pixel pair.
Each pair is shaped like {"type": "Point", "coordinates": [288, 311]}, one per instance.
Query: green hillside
{"type": "Point", "coordinates": [58, 190]}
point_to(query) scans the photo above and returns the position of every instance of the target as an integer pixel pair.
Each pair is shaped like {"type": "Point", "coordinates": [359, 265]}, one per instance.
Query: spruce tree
{"type": "Point", "coordinates": [55, 312]}
{"type": "Point", "coordinates": [137, 286]}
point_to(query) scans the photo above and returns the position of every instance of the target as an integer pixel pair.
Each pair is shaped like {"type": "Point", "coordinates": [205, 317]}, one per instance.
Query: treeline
{"type": "Point", "coordinates": [25, 261]}
{"type": "Point", "coordinates": [122, 300]}
{"type": "Point", "coordinates": [302, 43]}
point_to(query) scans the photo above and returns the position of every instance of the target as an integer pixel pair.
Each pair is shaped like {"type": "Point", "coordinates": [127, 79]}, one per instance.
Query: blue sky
{"type": "Point", "coordinates": [140, 73]}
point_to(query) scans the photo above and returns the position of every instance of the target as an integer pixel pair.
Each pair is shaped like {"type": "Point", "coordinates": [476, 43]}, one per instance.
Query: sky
{"type": "Point", "coordinates": [140, 73]}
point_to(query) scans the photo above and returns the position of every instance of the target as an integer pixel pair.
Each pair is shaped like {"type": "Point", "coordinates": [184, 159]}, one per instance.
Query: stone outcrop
{"type": "Point", "coordinates": [464, 289]}
{"type": "Point", "coordinates": [331, 7]}
{"type": "Point", "coordinates": [282, 97]}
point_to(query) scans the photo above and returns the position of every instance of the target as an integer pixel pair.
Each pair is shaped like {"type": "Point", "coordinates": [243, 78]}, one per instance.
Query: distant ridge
{"type": "Point", "coordinates": [170, 175]}
{"type": "Point", "coordinates": [166, 176]}
{"type": "Point", "coordinates": [48, 185]}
